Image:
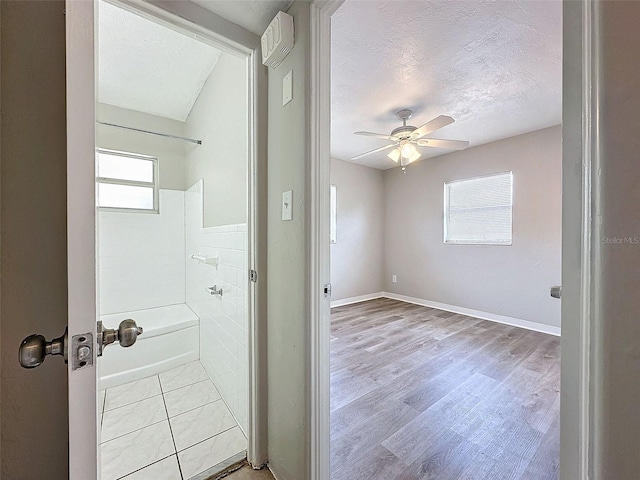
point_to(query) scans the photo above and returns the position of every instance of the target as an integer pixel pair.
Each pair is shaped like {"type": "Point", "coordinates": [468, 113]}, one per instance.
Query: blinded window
{"type": "Point", "coordinates": [479, 210]}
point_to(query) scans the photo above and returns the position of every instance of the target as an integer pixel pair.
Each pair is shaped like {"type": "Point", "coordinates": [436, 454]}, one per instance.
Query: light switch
{"type": "Point", "coordinates": [287, 88]}
{"type": "Point", "coordinates": [287, 207]}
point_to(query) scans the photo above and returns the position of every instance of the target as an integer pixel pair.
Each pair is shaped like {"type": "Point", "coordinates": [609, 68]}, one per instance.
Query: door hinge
{"type": "Point", "coordinates": [327, 290]}
{"type": "Point", "coordinates": [254, 276]}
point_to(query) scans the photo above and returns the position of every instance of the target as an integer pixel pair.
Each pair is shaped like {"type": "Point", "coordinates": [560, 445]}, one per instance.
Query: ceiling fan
{"type": "Point", "coordinates": [406, 138]}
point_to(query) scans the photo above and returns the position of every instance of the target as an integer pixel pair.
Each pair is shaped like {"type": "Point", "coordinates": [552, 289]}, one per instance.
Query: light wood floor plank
{"type": "Point", "coordinates": [419, 393]}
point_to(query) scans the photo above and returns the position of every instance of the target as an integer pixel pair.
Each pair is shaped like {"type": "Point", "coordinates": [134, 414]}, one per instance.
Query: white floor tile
{"type": "Point", "coordinates": [131, 392]}
{"type": "Point", "coordinates": [209, 453]}
{"type": "Point", "coordinates": [135, 450]}
{"type": "Point", "coordinates": [190, 397]}
{"type": "Point", "coordinates": [199, 424]}
{"type": "Point", "coordinates": [123, 420]}
{"type": "Point", "coordinates": [182, 376]}
{"type": "Point", "coordinates": [166, 469]}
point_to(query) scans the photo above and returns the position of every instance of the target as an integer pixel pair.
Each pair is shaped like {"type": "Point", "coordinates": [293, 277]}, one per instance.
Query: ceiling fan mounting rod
{"type": "Point", "coordinates": [405, 130]}
{"type": "Point", "coordinates": [404, 115]}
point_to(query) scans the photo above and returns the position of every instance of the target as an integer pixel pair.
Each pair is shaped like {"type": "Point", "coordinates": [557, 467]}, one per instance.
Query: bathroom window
{"type": "Point", "coordinates": [478, 211]}
{"type": "Point", "coordinates": [127, 181]}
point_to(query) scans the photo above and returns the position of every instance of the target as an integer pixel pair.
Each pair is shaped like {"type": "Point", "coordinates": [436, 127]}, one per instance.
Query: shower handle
{"type": "Point", "coordinates": [126, 334]}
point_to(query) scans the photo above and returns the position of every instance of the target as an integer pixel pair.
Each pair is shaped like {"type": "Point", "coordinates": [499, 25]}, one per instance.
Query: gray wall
{"type": "Point", "coordinates": [170, 152]}
{"type": "Point", "coordinates": [506, 280]}
{"type": "Point", "coordinates": [357, 259]}
{"type": "Point", "coordinates": [287, 272]}
{"type": "Point", "coordinates": [617, 343]}
{"type": "Point", "coordinates": [219, 118]}
{"type": "Point", "coordinates": [33, 264]}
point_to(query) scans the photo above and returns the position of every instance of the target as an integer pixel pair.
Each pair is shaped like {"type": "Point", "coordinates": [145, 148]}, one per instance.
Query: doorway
{"type": "Point", "coordinates": [172, 178]}
{"type": "Point", "coordinates": [575, 436]}
{"type": "Point", "coordinates": [175, 239]}
{"type": "Point", "coordinates": [461, 347]}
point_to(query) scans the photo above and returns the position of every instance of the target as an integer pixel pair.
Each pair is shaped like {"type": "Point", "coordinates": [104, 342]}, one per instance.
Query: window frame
{"type": "Point", "coordinates": [445, 213]}
{"type": "Point", "coordinates": [131, 183]}
{"type": "Point", "coordinates": [333, 213]}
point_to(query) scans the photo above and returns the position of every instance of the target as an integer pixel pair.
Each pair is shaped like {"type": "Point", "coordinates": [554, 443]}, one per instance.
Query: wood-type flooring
{"type": "Point", "coordinates": [420, 393]}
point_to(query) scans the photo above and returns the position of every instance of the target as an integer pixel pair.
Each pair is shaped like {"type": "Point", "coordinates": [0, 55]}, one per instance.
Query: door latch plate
{"type": "Point", "coordinates": [81, 351]}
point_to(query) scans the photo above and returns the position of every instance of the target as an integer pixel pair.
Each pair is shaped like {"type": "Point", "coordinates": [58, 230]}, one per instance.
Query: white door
{"type": "Point", "coordinates": [81, 217]}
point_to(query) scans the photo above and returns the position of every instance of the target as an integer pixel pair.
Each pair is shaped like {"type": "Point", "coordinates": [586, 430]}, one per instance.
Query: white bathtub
{"type": "Point", "coordinates": [170, 339]}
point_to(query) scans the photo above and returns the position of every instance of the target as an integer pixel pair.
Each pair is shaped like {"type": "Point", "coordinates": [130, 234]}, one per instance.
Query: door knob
{"type": "Point", "coordinates": [34, 349]}
{"type": "Point", "coordinates": [126, 334]}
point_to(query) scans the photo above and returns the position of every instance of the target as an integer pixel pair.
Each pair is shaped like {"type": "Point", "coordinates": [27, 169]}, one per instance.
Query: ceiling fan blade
{"type": "Point", "coordinates": [379, 135]}
{"type": "Point", "coordinates": [386, 147]}
{"type": "Point", "coordinates": [448, 144]}
{"type": "Point", "coordinates": [432, 126]}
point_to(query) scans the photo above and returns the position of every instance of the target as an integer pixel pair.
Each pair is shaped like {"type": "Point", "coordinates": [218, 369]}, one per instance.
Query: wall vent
{"type": "Point", "coordinates": [277, 40]}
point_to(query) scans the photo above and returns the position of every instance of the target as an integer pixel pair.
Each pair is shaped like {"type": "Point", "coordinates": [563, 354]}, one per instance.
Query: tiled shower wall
{"type": "Point", "coordinates": [223, 320]}
{"type": "Point", "coordinates": [142, 257]}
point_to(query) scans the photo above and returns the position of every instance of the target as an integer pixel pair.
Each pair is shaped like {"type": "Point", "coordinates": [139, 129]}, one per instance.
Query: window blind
{"type": "Point", "coordinates": [479, 210]}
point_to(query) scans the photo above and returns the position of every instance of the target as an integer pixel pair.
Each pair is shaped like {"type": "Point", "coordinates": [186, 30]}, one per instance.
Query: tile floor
{"type": "Point", "coordinates": [170, 426]}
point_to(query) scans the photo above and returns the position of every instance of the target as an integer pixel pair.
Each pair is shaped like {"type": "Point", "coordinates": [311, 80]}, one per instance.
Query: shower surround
{"type": "Point", "coordinates": [223, 319]}
{"type": "Point", "coordinates": [146, 272]}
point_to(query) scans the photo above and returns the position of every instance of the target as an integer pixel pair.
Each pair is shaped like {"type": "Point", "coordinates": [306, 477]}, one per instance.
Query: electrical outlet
{"type": "Point", "coordinates": [394, 278]}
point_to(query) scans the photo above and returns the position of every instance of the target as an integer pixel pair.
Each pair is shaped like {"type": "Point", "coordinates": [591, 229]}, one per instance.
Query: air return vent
{"type": "Point", "coordinates": [277, 40]}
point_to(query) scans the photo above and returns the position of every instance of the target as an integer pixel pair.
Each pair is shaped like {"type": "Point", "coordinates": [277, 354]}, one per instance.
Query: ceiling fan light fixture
{"type": "Point", "coordinates": [405, 154]}
{"type": "Point", "coordinates": [415, 156]}
{"type": "Point", "coordinates": [407, 150]}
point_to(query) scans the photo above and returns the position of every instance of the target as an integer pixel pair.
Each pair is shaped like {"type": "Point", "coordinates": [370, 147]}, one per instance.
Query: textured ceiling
{"type": "Point", "coordinates": [494, 66]}
{"type": "Point", "coordinates": [254, 15]}
{"type": "Point", "coordinates": [147, 67]}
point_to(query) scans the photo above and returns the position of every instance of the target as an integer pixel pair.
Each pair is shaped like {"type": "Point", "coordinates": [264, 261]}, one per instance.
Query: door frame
{"type": "Point", "coordinates": [191, 19]}
{"type": "Point", "coordinates": [581, 59]}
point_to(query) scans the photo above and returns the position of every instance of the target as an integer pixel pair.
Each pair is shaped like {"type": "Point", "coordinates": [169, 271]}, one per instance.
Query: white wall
{"type": "Point", "coordinates": [357, 258]}
{"type": "Point", "coordinates": [511, 281]}
{"type": "Point", "coordinates": [287, 259]}
{"type": "Point", "coordinates": [170, 152]}
{"type": "Point", "coordinates": [223, 321]}
{"type": "Point", "coordinates": [142, 257]}
{"type": "Point", "coordinates": [220, 119]}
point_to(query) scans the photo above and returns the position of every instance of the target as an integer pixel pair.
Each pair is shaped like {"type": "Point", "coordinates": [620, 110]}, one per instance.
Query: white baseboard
{"type": "Point", "coordinates": [359, 298]}
{"type": "Point", "coordinates": [272, 470]}
{"type": "Point", "coordinates": [493, 317]}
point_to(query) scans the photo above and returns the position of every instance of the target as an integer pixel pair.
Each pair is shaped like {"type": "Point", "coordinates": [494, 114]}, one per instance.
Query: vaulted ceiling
{"type": "Point", "coordinates": [147, 67]}
{"type": "Point", "coordinates": [494, 66]}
